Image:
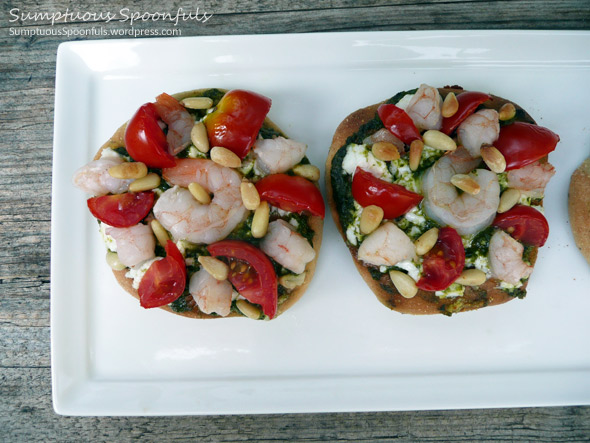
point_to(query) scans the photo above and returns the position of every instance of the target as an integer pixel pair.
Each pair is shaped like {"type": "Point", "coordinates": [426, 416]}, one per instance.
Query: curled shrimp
{"type": "Point", "coordinates": [478, 129]}
{"type": "Point", "coordinates": [275, 155]}
{"type": "Point", "coordinates": [506, 262]}
{"type": "Point", "coordinates": [185, 217]}
{"type": "Point", "coordinates": [425, 108]}
{"type": "Point", "coordinates": [134, 244]}
{"type": "Point", "coordinates": [179, 122]}
{"type": "Point", "coordinates": [94, 178]}
{"type": "Point", "coordinates": [466, 213]}
{"type": "Point", "coordinates": [287, 247]}
{"type": "Point", "coordinates": [387, 246]}
{"type": "Point", "coordinates": [211, 295]}
{"type": "Point", "coordinates": [385, 135]}
{"type": "Point", "coordinates": [531, 179]}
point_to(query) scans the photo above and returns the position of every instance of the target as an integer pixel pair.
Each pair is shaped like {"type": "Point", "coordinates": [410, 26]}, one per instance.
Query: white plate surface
{"type": "Point", "coordinates": [338, 348]}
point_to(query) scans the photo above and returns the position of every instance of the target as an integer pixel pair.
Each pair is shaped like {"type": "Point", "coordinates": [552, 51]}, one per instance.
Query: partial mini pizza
{"type": "Point", "coordinates": [438, 194]}
{"type": "Point", "coordinates": [206, 208]}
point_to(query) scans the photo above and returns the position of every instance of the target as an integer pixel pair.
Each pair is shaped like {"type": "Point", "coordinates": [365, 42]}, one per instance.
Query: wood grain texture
{"type": "Point", "coordinates": [27, 76]}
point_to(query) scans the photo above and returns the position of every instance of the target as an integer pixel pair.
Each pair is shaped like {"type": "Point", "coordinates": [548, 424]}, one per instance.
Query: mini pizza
{"type": "Point", "coordinates": [438, 195]}
{"type": "Point", "coordinates": [579, 207]}
{"type": "Point", "coordinates": [206, 208]}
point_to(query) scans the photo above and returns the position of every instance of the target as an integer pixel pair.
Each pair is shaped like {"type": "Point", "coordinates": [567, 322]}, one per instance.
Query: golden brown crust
{"type": "Point", "coordinates": [424, 302]}
{"type": "Point", "coordinates": [579, 207]}
{"type": "Point", "coordinates": [315, 223]}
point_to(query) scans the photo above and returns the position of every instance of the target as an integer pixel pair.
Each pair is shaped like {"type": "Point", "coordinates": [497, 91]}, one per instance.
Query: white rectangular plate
{"type": "Point", "coordinates": [338, 348]}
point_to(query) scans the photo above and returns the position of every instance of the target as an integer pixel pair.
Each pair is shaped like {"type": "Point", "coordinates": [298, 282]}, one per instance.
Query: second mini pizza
{"type": "Point", "coordinates": [438, 194]}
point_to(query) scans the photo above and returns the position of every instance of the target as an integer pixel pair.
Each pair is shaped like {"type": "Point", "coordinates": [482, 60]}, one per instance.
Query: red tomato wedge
{"type": "Point", "coordinates": [398, 122]}
{"type": "Point", "coordinates": [122, 210]}
{"type": "Point", "coordinates": [244, 278]}
{"type": "Point", "coordinates": [145, 141]}
{"type": "Point", "coordinates": [523, 143]}
{"type": "Point", "coordinates": [468, 103]}
{"type": "Point", "coordinates": [258, 281]}
{"type": "Point", "coordinates": [165, 279]}
{"type": "Point", "coordinates": [236, 121]}
{"type": "Point", "coordinates": [395, 200]}
{"type": "Point", "coordinates": [525, 224]}
{"type": "Point", "coordinates": [291, 193]}
{"type": "Point", "coordinates": [444, 263]}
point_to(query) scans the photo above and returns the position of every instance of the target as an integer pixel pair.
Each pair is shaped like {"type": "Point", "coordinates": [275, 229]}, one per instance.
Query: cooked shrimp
{"type": "Point", "coordinates": [94, 178]}
{"type": "Point", "coordinates": [531, 179]}
{"type": "Point", "coordinates": [387, 245]}
{"type": "Point", "coordinates": [506, 262]}
{"type": "Point", "coordinates": [425, 108]}
{"type": "Point", "coordinates": [275, 155]}
{"type": "Point", "coordinates": [179, 122]}
{"type": "Point", "coordinates": [480, 128]}
{"type": "Point", "coordinates": [385, 135]}
{"type": "Point", "coordinates": [135, 244]}
{"type": "Point", "coordinates": [287, 247]}
{"type": "Point", "coordinates": [185, 217]}
{"type": "Point", "coordinates": [466, 213]}
{"type": "Point", "coordinates": [210, 294]}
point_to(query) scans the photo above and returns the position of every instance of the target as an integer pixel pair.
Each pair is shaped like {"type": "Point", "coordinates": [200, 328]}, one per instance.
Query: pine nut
{"type": "Point", "coordinates": [150, 181]}
{"type": "Point", "coordinates": [508, 199]}
{"type": "Point", "coordinates": [385, 151]}
{"type": "Point", "coordinates": [438, 140]}
{"type": "Point", "coordinates": [291, 281]}
{"type": "Point", "coordinates": [197, 102]}
{"type": "Point", "coordinates": [159, 232]}
{"type": "Point", "coordinates": [248, 309]}
{"type": "Point", "coordinates": [199, 193]}
{"type": "Point", "coordinates": [114, 262]}
{"type": "Point", "coordinates": [371, 218]}
{"type": "Point", "coordinates": [416, 148]}
{"type": "Point", "coordinates": [472, 277]}
{"type": "Point", "coordinates": [465, 183]}
{"type": "Point", "coordinates": [426, 241]}
{"type": "Point", "coordinates": [493, 158]}
{"type": "Point", "coordinates": [309, 172]}
{"type": "Point", "coordinates": [260, 220]}
{"type": "Point", "coordinates": [450, 105]}
{"type": "Point", "coordinates": [218, 269]}
{"type": "Point", "coordinates": [250, 196]}
{"type": "Point", "coordinates": [199, 137]}
{"type": "Point", "coordinates": [128, 170]}
{"type": "Point", "coordinates": [224, 157]}
{"type": "Point", "coordinates": [507, 111]}
{"type": "Point", "coordinates": [405, 284]}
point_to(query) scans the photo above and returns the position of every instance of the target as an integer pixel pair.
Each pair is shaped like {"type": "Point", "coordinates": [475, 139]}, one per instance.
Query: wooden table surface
{"type": "Point", "coordinates": [27, 74]}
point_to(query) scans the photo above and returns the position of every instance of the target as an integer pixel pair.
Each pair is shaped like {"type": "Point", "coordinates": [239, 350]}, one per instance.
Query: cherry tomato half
{"type": "Point", "coordinates": [291, 193]}
{"type": "Point", "coordinates": [121, 210]}
{"type": "Point", "coordinates": [398, 122]}
{"type": "Point", "coordinates": [145, 141]}
{"type": "Point", "coordinates": [444, 263]}
{"type": "Point", "coordinates": [468, 103]}
{"type": "Point", "coordinates": [165, 279]}
{"type": "Point", "coordinates": [523, 143]}
{"type": "Point", "coordinates": [244, 278]}
{"type": "Point", "coordinates": [395, 200]}
{"type": "Point", "coordinates": [258, 281]}
{"type": "Point", "coordinates": [525, 224]}
{"type": "Point", "coordinates": [236, 121]}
